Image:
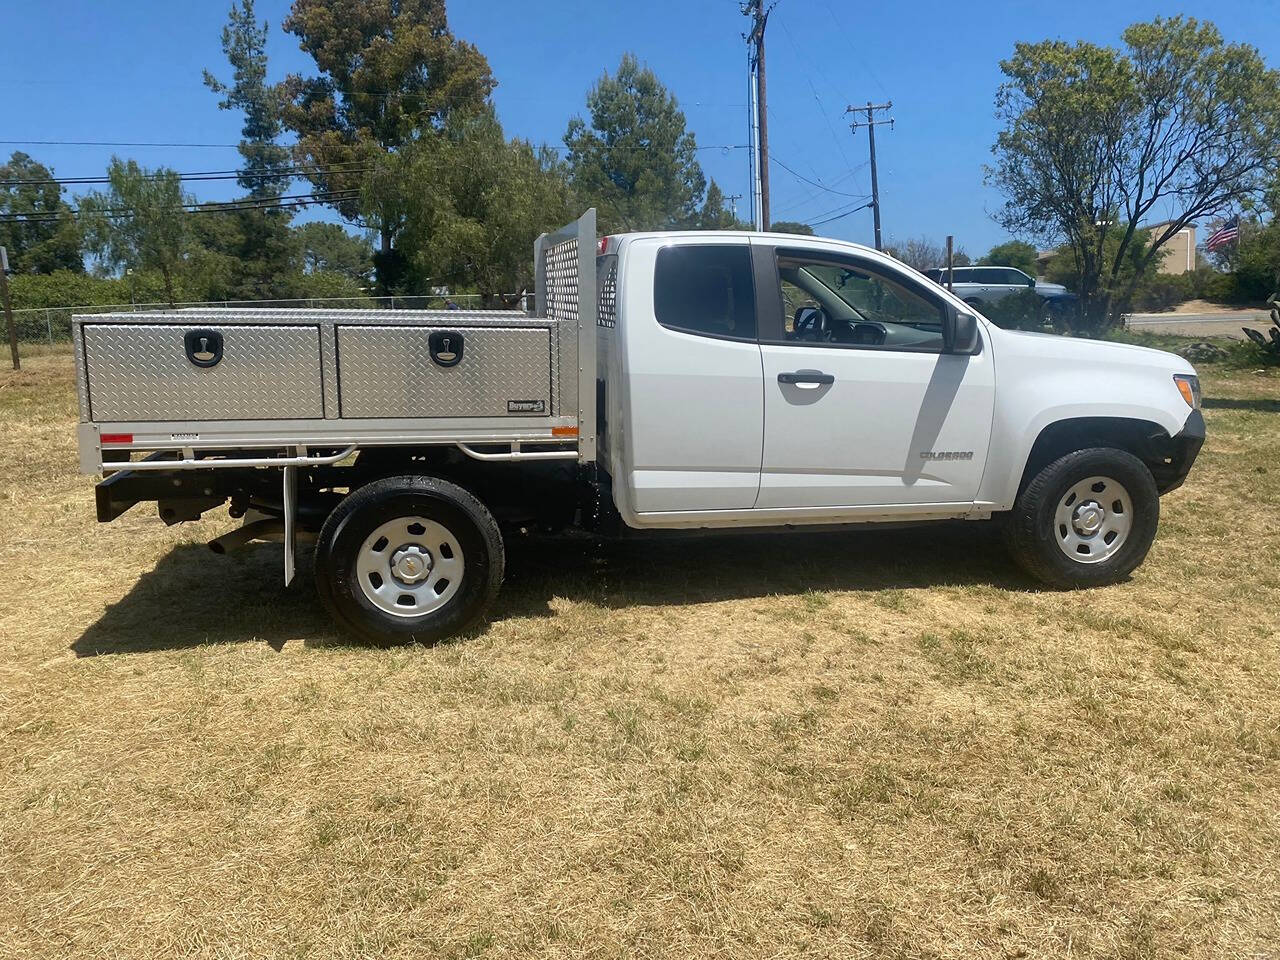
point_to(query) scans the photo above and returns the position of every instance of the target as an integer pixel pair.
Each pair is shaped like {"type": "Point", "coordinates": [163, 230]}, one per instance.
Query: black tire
{"type": "Point", "coordinates": [353, 521]}
{"type": "Point", "coordinates": [1032, 534]}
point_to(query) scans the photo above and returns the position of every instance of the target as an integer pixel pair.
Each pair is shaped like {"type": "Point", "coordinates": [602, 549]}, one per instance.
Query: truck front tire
{"type": "Point", "coordinates": [409, 559]}
{"type": "Point", "coordinates": [1087, 519]}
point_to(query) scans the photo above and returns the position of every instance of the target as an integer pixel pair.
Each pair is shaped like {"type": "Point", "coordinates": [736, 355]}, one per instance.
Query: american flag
{"type": "Point", "coordinates": [1229, 232]}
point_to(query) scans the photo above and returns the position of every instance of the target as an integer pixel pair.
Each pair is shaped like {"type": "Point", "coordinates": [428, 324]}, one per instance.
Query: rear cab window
{"type": "Point", "coordinates": [607, 290]}
{"type": "Point", "coordinates": [705, 289]}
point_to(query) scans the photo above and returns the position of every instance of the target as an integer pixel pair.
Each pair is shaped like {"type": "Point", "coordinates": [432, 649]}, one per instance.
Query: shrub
{"type": "Point", "coordinates": [1225, 288]}
{"type": "Point", "coordinates": [1024, 310]}
{"type": "Point", "coordinates": [1199, 279]}
{"type": "Point", "coordinates": [1161, 291]}
{"type": "Point", "coordinates": [325, 284]}
{"type": "Point", "coordinates": [1266, 349]}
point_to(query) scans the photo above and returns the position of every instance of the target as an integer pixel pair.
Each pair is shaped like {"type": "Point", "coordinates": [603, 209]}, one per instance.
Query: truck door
{"type": "Point", "coordinates": [694, 397]}
{"type": "Point", "coordinates": [862, 406]}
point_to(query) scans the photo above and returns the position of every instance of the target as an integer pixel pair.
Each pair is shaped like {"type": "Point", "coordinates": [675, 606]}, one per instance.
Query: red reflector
{"type": "Point", "coordinates": [602, 246]}
{"type": "Point", "coordinates": [116, 438]}
{"type": "Point", "coordinates": [564, 431]}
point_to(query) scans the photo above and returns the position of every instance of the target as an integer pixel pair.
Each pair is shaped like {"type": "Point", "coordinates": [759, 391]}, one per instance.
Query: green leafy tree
{"type": "Point", "coordinates": [243, 254]}
{"type": "Point", "coordinates": [1130, 266]}
{"type": "Point", "coordinates": [139, 222]}
{"type": "Point", "coordinates": [254, 250]}
{"type": "Point", "coordinates": [1250, 267]}
{"type": "Point", "coordinates": [635, 161]}
{"type": "Point", "coordinates": [1012, 253]}
{"type": "Point", "coordinates": [330, 286]}
{"type": "Point", "coordinates": [474, 203]}
{"type": "Point", "coordinates": [791, 226]}
{"type": "Point", "coordinates": [47, 237]}
{"type": "Point", "coordinates": [390, 73]}
{"type": "Point", "coordinates": [716, 214]}
{"type": "Point", "coordinates": [1096, 141]}
{"type": "Point", "coordinates": [244, 41]}
{"type": "Point", "coordinates": [328, 248]}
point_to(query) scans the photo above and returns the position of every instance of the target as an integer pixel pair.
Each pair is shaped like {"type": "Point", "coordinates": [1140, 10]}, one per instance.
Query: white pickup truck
{"type": "Point", "coordinates": [662, 381]}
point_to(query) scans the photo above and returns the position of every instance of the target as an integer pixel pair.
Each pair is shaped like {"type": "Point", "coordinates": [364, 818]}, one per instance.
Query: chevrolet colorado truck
{"type": "Point", "coordinates": [661, 381]}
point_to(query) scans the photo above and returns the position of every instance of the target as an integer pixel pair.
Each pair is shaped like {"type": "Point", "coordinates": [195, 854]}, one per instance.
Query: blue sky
{"type": "Point", "coordinates": [130, 71]}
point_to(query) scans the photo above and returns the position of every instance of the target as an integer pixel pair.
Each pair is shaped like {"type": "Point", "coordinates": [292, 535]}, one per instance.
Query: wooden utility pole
{"type": "Point", "coordinates": [8, 308]}
{"type": "Point", "coordinates": [870, 123]}
{"type": "Point", "coordinates": [759, 18]}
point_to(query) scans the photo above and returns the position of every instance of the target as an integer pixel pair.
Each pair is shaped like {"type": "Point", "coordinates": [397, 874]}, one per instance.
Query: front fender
{"type": "Point", "coordinates": [1042, 380]}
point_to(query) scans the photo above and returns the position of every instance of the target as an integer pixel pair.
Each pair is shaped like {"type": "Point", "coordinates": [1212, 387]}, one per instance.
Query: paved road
{"type": "Point", "coordinates": [1200, 325]}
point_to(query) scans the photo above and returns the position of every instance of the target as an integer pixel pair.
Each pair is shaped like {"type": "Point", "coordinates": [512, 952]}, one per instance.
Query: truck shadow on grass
{"type": "Point", "coordinates": [1257, 404]}
{"type": "Point", "coordinates": [193, 597]}
{"type": "Point", "coordinates": [733, 566]}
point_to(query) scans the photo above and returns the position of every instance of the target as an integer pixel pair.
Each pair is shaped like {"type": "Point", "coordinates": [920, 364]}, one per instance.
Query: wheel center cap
{"type": "Point", "coordinates": [411, 564]}
{"type": "Point", "coordinates": [1089, 517]}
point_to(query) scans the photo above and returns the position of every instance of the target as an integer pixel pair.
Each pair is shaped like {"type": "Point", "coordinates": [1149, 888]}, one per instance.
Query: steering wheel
{"type": "Point", "coordinates": [812, 324]}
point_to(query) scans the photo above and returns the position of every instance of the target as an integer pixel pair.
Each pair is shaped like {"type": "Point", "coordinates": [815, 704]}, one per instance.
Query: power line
{"type": "Point", "coordinates": [152, 143]}
{"type": "Point", "coordinates": [270, 172]}
{"type": "Point", "coordinates": [820, 186]}
{"type": "Point", "coordinates": [814, 194]}
{"type": "Point", "coordinates": [808, 77]}
{"type": "Point", "coordinates": [288, 200]}
{"type": "Point", "coordinates": [106, 143]}
{"type": "Point", "coordinates": [840, 216]}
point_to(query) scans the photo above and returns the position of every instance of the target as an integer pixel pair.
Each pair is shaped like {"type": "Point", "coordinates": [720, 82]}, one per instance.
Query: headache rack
{"type": "Point", "coordinates": [208, 388]}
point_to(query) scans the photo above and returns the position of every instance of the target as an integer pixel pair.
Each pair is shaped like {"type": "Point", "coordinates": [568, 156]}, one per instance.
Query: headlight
{"type": "Point", "coordinates": [1188, 385]}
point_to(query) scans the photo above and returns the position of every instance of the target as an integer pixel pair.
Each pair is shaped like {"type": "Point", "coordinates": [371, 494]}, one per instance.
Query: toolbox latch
{"type": "Point", "coordinates": [204, 347]}
{"type": "Point", "coordinates": [445, 347]}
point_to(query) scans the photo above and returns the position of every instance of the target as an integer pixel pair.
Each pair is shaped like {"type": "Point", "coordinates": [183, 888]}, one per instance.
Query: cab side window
{"type": "Point", "coordinates": [705, 289]}
{"type": "Point", "coordinates": [828, 301]}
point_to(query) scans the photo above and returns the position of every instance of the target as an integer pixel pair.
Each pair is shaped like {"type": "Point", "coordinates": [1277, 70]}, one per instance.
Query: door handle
{"type": "Point", "coordinates": [815, 377]}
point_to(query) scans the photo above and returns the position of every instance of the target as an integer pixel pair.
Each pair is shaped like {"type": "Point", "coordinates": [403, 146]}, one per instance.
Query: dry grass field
{"type": "Point", "coordinates": [839, 745]}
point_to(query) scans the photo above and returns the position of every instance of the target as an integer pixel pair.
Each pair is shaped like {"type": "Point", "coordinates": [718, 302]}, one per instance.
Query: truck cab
{"type": "Point", "coordinates": [757, 379]}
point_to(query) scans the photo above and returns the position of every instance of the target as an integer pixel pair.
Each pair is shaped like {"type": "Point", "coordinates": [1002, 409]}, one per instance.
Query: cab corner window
{"type": "Point", "coordinates": [847, 304]}
{"type": "Point", "coordinates": [705, 289]}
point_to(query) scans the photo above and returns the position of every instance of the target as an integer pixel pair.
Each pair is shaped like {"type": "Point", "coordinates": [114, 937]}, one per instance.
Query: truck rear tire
{"type": "Point", "coordinates": [408, 559]}
{"type": "Point", "coordinates": [1085, 520]}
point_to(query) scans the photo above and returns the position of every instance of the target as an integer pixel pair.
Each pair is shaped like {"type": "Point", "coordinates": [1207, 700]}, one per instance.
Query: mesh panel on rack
{"type": "Point", "coordinates": [562, 310]}
{"type": "Point", "coordinates": [606, 315]}
{"type": "Point", "coordinates": [562, 281]}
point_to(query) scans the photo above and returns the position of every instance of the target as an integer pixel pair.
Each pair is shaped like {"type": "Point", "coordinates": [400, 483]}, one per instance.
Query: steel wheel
{"type": "Point", "coordinates": [410, 566]}
{"type": "Point", "coordinates": [1093, 519]}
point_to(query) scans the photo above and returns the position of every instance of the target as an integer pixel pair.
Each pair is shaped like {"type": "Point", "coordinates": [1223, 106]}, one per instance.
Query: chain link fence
{"type": "Point", "coordinates": [52, 325]}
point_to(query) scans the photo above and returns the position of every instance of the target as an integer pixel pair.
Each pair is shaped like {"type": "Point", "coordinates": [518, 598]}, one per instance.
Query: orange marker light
{"type": "Point", "coordinates": [564, 431]}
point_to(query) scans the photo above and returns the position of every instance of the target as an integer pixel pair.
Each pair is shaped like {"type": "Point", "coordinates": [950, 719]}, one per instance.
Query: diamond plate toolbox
{"type": "Point", "coordinates": [389, 371]}
{"type": "Point", "coordinates": [142, 373]}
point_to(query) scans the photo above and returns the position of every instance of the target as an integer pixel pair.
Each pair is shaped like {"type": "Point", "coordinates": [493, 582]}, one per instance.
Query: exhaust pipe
{"type": "Point", "coordinates": [268, 528]}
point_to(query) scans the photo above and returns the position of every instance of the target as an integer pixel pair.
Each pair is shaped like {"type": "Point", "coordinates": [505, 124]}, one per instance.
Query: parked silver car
{"type": "Point", "coordinates": [982, 286]}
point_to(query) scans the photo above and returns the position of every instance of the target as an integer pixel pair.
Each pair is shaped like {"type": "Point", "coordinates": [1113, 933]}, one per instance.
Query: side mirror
{"type": "Point", "coordinates": [1031, 283]}
{"type": "Point", "coordinates": [964, 333]}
